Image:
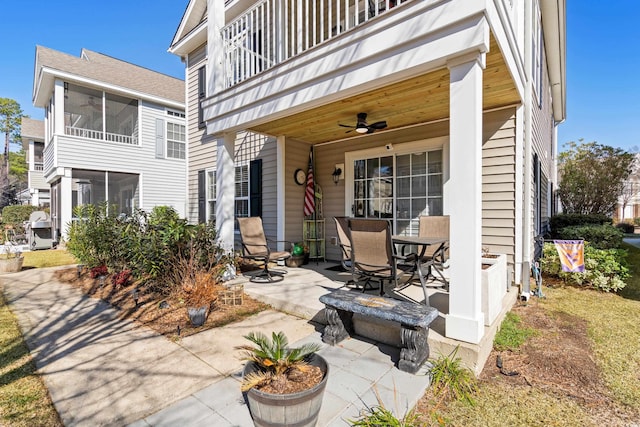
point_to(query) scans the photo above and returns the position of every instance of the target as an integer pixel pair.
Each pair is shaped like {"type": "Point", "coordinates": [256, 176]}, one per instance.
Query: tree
{"type": "Point", "coordinates": [592, 177]}
{"type": "Point", "coordinates": [10, 119]}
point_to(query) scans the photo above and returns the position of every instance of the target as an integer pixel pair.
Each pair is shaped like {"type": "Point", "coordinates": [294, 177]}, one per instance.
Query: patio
{"type": "Point", "coordinates": [299, 292]}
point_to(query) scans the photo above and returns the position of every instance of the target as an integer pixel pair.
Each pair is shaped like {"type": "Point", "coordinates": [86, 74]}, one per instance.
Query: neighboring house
{"type": "Point", "coordinates": [32, 132]}
{"type": "Point", "coordinates": [114, 132]}
{"type": "Point", "coordinates": [629, 201]}
{"type": "Point", "coordinates": [471, 92]}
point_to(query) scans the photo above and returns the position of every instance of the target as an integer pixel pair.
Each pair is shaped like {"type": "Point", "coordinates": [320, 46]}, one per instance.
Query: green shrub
{"type": "Point", "coordinates": [17, 214]}
{"type": "Point", "coordinates": [599, 236]}
{"type": "Point", "coordinates": [605, 269]}
{"type": "Point", "coordinates": [148, 245]}
{"type": "Point", "coordinates": [626, 227]}
{"type": "Point", "coordinates": [636, 221]}
{"type": "Point", "coordinates": [560, 221]}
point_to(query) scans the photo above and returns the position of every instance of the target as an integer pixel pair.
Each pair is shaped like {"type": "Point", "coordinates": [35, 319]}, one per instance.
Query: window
{"type": "Point", "coordinates": [176, 113]}
{"type": "Point", "coordinates": [537, 53]}
{"type": "Point", "coordinates": [94, 114]}
{"type": "Point", "coordinates": [176, 141]}
{"type": "Point", "coordinates": [202, 93]}
{"type": "Point", "coordinates": [211, 195]}
{"type": "Point", "coordinates": [401, 187]}
{"type": "Point", "coordinates": [242, 191]}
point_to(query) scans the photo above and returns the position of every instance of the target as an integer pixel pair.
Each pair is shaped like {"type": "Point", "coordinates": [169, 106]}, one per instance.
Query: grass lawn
{"type": "Point", "coordinates": [613, 328]}
{"type": "Point", "coordinates": [24, 400]}
{"type": "Point", "coordinates": [47, 258]}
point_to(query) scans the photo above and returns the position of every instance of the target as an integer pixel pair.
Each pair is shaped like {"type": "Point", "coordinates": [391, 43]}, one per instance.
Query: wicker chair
{"type": "Point", "coordinates": [373, 255]}
{"type": "Point", "coordinates": [436, 226]}
{"type": "Point", "coordinates": [255, 247]}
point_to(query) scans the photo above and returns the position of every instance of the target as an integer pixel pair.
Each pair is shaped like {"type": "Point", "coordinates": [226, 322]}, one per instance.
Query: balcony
{"type": "Point", "coordinates": [273, 31]}
{"type": "Point", "coordinates": [99, 135]}
{"type": "Point", "coordinates": [299, 68]}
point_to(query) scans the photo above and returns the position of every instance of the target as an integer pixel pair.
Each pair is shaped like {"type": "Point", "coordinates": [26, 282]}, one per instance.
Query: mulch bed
{"type": "Point", "coordinates": [166, 314]}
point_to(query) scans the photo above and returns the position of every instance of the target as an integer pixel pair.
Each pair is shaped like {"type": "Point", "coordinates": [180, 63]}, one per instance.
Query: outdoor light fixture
{"type": "Point", "coordinates": [336, 175]}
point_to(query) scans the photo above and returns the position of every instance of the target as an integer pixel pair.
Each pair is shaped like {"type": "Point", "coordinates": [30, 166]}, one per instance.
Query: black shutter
{"type": "Point", "coordinates": [202, 197]}
{"type": "Point", "coordinates": [202, 93]}
{"type": "Point", "coordinates": [255, 188]}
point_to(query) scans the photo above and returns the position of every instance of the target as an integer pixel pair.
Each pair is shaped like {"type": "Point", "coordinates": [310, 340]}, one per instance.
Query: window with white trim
{"type": "Point", "coordinates": [536, 51]}
{"type": "Point", "coordinates": [211, 194]}
{"type": "Point", "coordinates": [242, 191]}
{"type": "Point", "coordinates": [176, 141]}
{"type": "Point", "coordinates": [399, 186]}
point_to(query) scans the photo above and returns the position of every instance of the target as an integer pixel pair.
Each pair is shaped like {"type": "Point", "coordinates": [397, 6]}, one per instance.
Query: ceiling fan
{"type": "Point", "coordinates": [362, 126]}
{"type": "Point", "coordinates": [93, 104]}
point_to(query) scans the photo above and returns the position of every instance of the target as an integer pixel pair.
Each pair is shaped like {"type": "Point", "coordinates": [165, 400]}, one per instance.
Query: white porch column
{"type": "Point", "coordinates": [280, 185]}
{"type": "Point", "coordinates": [215, 47]}
{"type": "Point", "coordinates": [465, 321]}
{"type": "Point", "coordinates": [225, 187]}
{"type": "Point", "coordinates": [66, 210]}
{"type": "Point", "coordinates": [58, 115]}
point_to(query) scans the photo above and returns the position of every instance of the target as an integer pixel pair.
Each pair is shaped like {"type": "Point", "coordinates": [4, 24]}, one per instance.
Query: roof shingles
{"type": "Point", "coordinates": [108, 70]}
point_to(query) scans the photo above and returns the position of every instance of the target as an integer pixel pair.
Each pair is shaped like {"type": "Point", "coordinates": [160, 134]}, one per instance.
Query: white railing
{"type": "Point", "coordinates": [104, 136]}
{"type": "Point", "coordinates": [272, 31]}
{"type": "Point", "coordinates": [37, 166]}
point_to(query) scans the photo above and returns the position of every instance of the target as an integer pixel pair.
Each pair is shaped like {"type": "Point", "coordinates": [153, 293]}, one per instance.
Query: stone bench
{"type": "Point", "coordinates": [414, 319]}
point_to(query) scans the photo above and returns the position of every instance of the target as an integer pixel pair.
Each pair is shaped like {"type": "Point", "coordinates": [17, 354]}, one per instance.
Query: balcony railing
{"type": "Point", "coordinates": [38, 166]}
{"type": "Point", "coordinates": [105, 136]}
{"type": "Point", "coordinates": [273, 31]}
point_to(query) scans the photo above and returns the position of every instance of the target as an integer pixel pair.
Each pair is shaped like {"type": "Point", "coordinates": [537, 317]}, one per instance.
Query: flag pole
{"type": "Point", "coordinates": [315, 205]}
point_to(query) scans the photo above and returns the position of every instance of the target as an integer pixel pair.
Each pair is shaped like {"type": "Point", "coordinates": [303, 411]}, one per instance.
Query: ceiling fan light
{"type": "Point", "coordinates": [361, 128]}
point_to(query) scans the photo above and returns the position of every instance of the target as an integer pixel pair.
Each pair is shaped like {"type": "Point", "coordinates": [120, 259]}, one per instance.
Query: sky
{"type": "Point", "coordinates": [136, 31]}
{"type": "Point", "coordinates": [603, 54]}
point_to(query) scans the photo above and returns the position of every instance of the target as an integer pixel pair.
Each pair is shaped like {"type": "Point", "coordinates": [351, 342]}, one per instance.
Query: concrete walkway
{"type": "Point", "coordinates": [101, 370]}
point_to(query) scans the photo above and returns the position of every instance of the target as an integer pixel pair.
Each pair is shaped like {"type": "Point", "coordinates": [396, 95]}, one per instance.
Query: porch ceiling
{"type": "Point", "coordinates": [421, 99]}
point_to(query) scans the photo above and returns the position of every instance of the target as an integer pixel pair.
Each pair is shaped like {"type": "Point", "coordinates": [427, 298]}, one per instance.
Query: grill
{"type": "Point", "coordinates": [39, 231]}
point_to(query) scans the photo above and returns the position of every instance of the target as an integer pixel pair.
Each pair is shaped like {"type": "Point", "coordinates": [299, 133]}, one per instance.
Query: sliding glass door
{"type": "Point", "coordinates": [400, 187]}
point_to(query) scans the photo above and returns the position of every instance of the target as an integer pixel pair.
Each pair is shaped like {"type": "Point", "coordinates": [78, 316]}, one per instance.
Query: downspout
{"type": "Point", "coordinates": [527, 220]}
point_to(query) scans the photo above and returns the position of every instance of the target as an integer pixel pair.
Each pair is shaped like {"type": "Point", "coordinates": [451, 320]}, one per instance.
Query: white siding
{"type": "Point", "coordinates": [162, 181]}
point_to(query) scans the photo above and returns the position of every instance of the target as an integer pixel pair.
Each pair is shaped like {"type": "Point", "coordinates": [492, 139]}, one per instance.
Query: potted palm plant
{"type": "Point", "coordinates": [284, 386]}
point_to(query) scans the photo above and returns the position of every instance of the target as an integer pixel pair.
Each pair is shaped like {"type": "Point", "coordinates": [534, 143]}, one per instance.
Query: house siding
{"type": "Point", "coordinates": [498, 182]}
{"type": "Point", "coordinates": [201, 147]}
{"type": "Point", "coordinates": [542, 140]}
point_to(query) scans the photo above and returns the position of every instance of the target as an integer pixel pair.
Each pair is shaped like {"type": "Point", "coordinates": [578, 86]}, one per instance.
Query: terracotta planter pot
{"type": "Point", "coordinates": [295, 409]}
{"type": "Point", "coordinates": [11, 265]}
{"type": "Point", "coordinates": [295, 261]}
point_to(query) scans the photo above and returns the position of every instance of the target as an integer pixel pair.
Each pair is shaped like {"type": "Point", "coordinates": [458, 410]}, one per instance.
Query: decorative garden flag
{"type": "Point", "coordinates": [309, 194]}
{"type": "Point", "coordinates": [571, 254]}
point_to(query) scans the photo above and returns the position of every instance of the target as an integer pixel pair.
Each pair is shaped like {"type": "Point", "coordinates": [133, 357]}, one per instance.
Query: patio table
{"type": "Point", "coordinates": [422, 269]}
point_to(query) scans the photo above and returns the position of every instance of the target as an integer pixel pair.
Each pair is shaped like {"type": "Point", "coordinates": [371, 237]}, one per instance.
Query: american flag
{"type": "Point", "coordinates": [309, 194]}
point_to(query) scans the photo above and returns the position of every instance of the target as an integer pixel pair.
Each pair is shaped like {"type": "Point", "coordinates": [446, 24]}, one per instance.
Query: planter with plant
{"type": "Point", "coordinates": [297, 255]}
{"type": "Point", "coordinates": [284, 385]}
{"type": "Point", "coordinates": [11, 259]}
{"type": "Point", "coordinates": [200, 295]}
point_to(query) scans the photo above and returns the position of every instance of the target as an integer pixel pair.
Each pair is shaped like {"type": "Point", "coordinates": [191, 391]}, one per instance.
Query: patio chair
{"type": "Point", "coordinates": [342, 228]}
{"type": "Point", "coordinates": [255, 247]}
{"type": "Point", "coordinates": [436, 226]}
{"type": "Point", "coordinates": [373, 255]}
